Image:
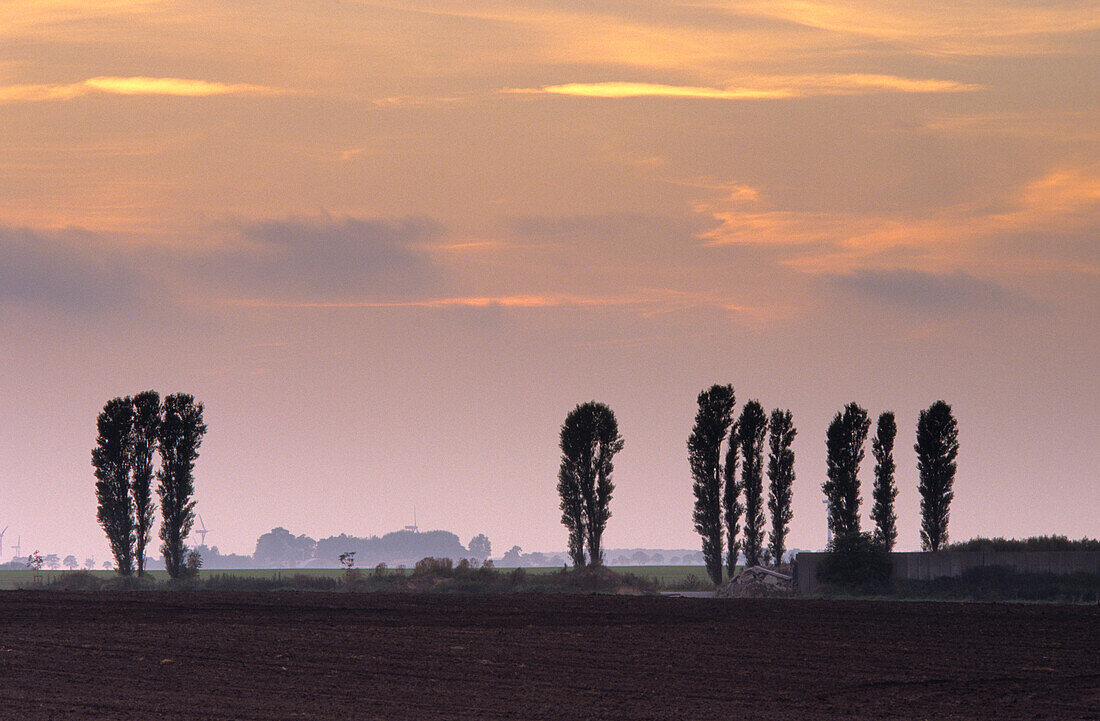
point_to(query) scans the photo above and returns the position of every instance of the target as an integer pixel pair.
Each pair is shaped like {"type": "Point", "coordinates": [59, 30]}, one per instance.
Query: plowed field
{"type": "Point", "coordinates": [344, 656]}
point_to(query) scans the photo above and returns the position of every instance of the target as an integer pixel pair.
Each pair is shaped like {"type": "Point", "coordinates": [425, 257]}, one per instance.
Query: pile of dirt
{"type": "Point", "coordinates": [757, 582]}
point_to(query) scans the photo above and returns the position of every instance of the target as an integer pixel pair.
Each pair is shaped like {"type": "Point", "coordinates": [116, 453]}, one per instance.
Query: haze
{"type": "Point", "coordinates": [391, 245]}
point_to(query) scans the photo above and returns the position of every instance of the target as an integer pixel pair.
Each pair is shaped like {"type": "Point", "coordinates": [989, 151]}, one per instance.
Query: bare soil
{"type": "Point", "coordinates": [290, 655]}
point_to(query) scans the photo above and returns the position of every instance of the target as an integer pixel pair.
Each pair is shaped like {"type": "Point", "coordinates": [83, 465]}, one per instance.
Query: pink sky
{"type": "Point", "coordinates": [391, 244]}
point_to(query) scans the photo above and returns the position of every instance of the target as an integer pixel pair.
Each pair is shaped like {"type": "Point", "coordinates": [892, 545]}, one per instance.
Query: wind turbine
{"type": "Point", "coordinates": [202, 532]}
{"type": "Point", "coordinates": [2, 543]}
{"type": "Point", "coordinates": [18, 548]}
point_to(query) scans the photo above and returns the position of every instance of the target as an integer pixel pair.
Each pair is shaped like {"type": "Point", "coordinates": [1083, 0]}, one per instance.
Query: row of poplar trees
{"type": "Point", "coordinates": [937, 447]}
{"type": "Point", "coordinates": [720, 445]}
{"type": "Point", "coordinates": [719, 490]}
{"type": "Point", "coordinates": [131, 429]}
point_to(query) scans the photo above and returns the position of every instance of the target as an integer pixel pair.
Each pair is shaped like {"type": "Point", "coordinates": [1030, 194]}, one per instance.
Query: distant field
{"type": "Point", "coordinates": [662, 574]}
{"type": "Point", "coordinates": [16, 579]}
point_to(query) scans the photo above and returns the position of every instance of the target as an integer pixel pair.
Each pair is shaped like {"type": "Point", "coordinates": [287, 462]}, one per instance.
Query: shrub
{"type": "Point", "coordinates": [191, 565]}
{"type": "Point", "coordinates": [76, 581]}
{"type": "Point", "coordinates": [129, 583]}
{"type": "Point", "coordinates": [691, 582]}
{"type": "Point", "coordinates": [433, 567]}
{"type": "Point", "coordinates": [1034, 543]}
{"type": "Point", "coordinates": [854, 563]}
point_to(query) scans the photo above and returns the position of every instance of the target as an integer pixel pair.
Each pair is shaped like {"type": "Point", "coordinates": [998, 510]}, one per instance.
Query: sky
{"type": "Point", "coordinates": [390, 245]}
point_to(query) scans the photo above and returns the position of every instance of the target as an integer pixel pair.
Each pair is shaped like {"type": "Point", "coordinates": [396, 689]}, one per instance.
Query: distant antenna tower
{"type": "Point", "coordinates": [202, 532]}
{"type": "Point", "coordinates": [414, 528]}
{"type": "Point", "coordinates": [2, 543]}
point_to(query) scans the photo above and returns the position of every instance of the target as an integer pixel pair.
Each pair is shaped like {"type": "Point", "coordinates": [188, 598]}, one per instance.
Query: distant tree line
{"type": "Point", "coordinates": [1034, 543]}
{"type": "Point", "coordinates": [130, 429]}
{"type": "Point", "coordinates": [279, 548]}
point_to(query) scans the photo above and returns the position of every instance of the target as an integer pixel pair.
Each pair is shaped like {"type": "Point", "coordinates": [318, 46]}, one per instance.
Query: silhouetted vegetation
{"type": "Point", "coordinates": [111, 459]}
{"type": "Point", "coordinates": [781, 480]}
{"type": "Point", "coordinates": [181, 432]}
{"type": "Point", "coordinates": [86, 581]}
{"type": "Point", "coordinates": [431, 574]}
{"type": "Point", "coordinates": [854, 563]}
{"type": "Point", "coordinates": [279, 548]}
{"type": "Point", "coordinates": [433, 566]}
{"type": "Point", "coordinates": [731, 503]}
{"type": "Point", "coordinates": [128, 431]}
{"type": "Point", "coordinates": [480, 546]}
{"type": "Point", "coordinates": [844, 447]}
{"type": "Point", "coordinates": [884, 492]}
{"type": "Point", "coordinates": [589, 441]}
{"type": "Point", "coordinates": [752, 428]}
{"type": "Point", "coordinates": [712, 422]}
{"type": "Point", "coordinates": [146, 427]}
{"type": "Point", "coordinates": [1034, 543]}
{"type": "Point", "coordinates": [937, 447]}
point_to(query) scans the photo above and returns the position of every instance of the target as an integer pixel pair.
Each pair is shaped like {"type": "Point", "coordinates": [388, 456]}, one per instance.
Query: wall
{"type": "Point", "coordinates": [924, 566]}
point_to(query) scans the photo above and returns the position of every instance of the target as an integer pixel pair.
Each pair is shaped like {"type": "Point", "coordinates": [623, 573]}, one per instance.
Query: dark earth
{"type": "Point", "coordinates": [285, 655]}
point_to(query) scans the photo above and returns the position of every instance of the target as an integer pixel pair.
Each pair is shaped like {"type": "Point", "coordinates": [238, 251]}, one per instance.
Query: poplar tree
{"type": "Point", "coordinates": [937, 448]}
{"type": "Point", "coordinates": [752, 428]}
{"type": "Point", "coordinates": [731, 502]}
{"type": "Point", "coordinates": [589, 441]}
{"type": "Point", "coordinates": [712, 422]}
{"type": "Point", "coordinates": [181, 432]}
{"type": "Point", "coordinates": [885, 491]}
{"type": "Point", "coordinates": [844, 452]}
{"type": "Point", "coordinates": [572, 503]}
{"type": "Point", "coordinates": [144, 439]}
{"type": "Point", "coordinates": [781, 480]}
{"type": "Point", "coordinates": [111, 459]}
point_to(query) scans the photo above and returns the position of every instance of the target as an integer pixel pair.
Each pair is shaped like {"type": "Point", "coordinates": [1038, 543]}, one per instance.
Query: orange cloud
{"type": "Point", "coordinates": [956, 28]}
{"type": "Point", "coordinates": [758, 88]}
{"type": "Point", "coordinates": [139, 85]}
{"type": "Point", "coordinates": [1064, 201]}
{"type": "Point", "coordinates": [20, 16]}
{"type": "Point", "coordinates": [650, 90]}
{"type": "Point", "coordinates": [505, 301]}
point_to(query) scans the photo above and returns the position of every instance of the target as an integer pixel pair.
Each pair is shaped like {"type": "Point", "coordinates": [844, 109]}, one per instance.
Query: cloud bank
{"type": "Point", "coordinates": [760, 88]}
{"type": "Point", "coordinates": [138, 85]}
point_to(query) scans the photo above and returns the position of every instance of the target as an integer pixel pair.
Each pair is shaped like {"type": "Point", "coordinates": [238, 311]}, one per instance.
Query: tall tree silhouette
{"type": "Point", "coordinates": [144, 439]}
{"type": "Point", "coordinates": [181, 432]}
{"type": "Point", "coordinates": [111, 459]}
{"type": "Point", "coordinates": [731, 502]}
{"type": "Point", "coordinates": [885, 491]}
{"type": "Point", "coordinates": [572, 499]}
{"type": "Point", "coordinates": [937, 447]}
{"type": "Point", "coordinates": [589, 441]}
{"type": "Point", "coordinates": [781, 479]}
{"type": "Point", "coordinates": [844, 446]}
{"type": "Point", "coordinates": [752, 428]}
{"type": "Point", "coordinates": [712, 423]}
